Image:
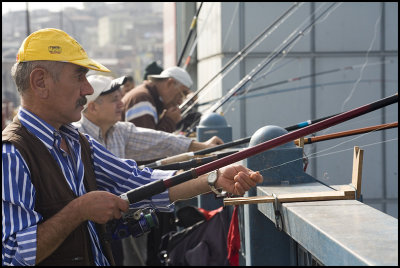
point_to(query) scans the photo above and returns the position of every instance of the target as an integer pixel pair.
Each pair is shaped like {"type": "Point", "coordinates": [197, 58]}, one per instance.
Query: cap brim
{"type": "Point", "coordinates": [114, 85]}
{"type": "Point", "coordinates": [91, 64]}
{"type": "Point", "coordinates": [157, 76]}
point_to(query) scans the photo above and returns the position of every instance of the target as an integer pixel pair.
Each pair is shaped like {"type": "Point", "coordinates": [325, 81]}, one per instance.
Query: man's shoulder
{"type": "Point", "coordinates": [122, 125]}
{"type": "Point", "coordinates": [138, 94]}
{"type": "Point", "coordinates": [141, 90]}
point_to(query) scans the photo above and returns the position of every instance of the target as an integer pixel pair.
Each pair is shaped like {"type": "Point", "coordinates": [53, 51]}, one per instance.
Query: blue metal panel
{"type": "Point", "coordinates": [264, 243]}
{"type": "Point", "coordinates": [212, 125]}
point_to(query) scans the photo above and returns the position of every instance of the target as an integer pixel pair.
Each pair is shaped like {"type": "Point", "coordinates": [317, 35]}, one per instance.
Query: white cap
{"type": "Point", "coordinates": [102, 85]}
{"type": "Point", "coordinates": [178, 74]}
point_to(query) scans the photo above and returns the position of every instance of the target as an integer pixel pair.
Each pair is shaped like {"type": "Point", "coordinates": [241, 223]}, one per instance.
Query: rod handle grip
{"type": "Point", "coordinates": [144, 192]}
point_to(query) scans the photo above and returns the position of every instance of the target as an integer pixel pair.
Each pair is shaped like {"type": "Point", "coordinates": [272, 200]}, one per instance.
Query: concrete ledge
{"type": "Point", "coordinates": [340, 232]}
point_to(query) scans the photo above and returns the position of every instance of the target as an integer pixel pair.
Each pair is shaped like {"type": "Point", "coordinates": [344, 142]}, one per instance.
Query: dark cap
{"type": "Point", "coordinates": [152, 68]}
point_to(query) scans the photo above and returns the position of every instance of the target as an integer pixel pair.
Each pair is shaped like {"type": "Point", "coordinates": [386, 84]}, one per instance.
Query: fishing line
{"type": "Point", "coordinates": [237, 59]}
{"type": "Point", "coordinates": [295, 79]}
{"type": "Point", "coordinates": [317, 154]}
{"type": "Point", "coordinates": [230, 27]}
{"type": "Point", "coordinates": [288, 162]}
{"type": "Point", "coordinates": [282, 49]}
{"type": "Point", "coordinates": [280, 91]}
{"type": "Point", "coordinates": [202, 28]}
{"type": "Point", "coordinates": [197, 37]}
{"type": "Point", "coordinates": [240, 95]}
{"type": "Point", "coordinates": [191, 30]}
{"type": "Point", "coordinates": [366, 61]}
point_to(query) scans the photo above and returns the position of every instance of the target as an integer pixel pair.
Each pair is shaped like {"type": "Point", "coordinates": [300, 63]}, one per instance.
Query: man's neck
{"type": "Point", "coordinates": [38, 112]}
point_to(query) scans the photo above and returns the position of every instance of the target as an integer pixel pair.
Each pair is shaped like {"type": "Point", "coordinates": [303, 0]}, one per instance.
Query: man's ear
{"type": "Point", "coordinates": [39, 82]}
{"type": "Point", "coordinates": [90, 107]}
{"type": "Point", "coordinates": [170, 82]}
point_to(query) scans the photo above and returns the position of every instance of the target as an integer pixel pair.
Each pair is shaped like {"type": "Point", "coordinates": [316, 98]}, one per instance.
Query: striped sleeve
{"type": "Point", "coordinates": [119, 176]}
{"type": "Point", "coordinates": [141, 109]}
{"type": "Point", "coordinates": [19, 220]}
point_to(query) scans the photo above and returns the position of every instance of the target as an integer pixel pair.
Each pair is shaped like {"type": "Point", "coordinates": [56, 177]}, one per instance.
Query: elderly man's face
{"type": "Point", "coordinates": [178, 93]}
{"type": "Point", "coordinates": [68, 93]}
{"type": "Point", "coordinates": [109, 108]}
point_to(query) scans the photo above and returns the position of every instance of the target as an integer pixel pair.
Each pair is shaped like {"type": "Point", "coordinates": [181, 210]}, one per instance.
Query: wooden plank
{"type": "Point", "coordinates": [357, 170]}
{"type": "Point", "coordinates": [348, 193]}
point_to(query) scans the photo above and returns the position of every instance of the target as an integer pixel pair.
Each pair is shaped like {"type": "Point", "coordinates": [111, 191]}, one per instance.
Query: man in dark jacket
{"type": "Point", "coordinates": [155, 103]}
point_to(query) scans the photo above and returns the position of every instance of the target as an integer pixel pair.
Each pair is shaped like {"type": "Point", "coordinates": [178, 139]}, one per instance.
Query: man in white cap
{"type": "Point", "coordinates": [60, 186]}
{"type": "Point", "coordinates": [101, 120]}
{"type": "Point", "coordinates": [155, 103]}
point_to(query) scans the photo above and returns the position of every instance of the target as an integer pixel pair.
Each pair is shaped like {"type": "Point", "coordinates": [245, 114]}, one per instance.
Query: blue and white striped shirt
{"type": "Point", "coordinates": [19, 218]}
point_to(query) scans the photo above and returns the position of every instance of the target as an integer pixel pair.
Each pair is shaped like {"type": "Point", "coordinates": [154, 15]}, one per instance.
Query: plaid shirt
{"type": "Point", "coordinates": [125, 140]}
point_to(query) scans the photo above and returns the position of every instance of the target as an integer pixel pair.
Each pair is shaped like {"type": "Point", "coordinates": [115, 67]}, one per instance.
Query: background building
{"type": "Point", "coordinates": [359, 39]}
{"type": "Point", "coordinates": [124, 36]}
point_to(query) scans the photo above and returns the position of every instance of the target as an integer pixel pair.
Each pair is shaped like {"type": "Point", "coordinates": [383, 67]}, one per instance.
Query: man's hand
{"type": "Point", "coordinates": [173, 113]}
{"type": "Point", "coordinates": [97, 206]}
{"type": "Point", "coordinates": [237, 179]}
{"type": "Point", "coordinates": [212, 142]}
{"type": "Point", "coordinates": [101, 206]}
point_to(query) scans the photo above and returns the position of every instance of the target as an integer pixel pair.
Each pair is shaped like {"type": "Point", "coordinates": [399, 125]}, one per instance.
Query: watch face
{"type": "Point", "coordinates": [212, 178]}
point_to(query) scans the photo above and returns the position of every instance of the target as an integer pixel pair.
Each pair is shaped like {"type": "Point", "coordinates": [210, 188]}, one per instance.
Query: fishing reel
{"type": "Point", "coordinates": [134, 222]}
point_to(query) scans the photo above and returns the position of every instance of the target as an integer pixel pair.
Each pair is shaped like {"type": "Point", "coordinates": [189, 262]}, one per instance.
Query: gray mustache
{"type": "Point", "coordinates": [82, 101]}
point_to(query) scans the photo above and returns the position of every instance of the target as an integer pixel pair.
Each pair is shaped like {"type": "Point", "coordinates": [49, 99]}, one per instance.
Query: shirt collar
{"type": "Point", "coordinates": [44, 131]}
{"type": "Point", "coordinates": [88, 127]}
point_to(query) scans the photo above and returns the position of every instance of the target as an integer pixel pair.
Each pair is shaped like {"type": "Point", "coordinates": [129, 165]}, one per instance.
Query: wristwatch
{"type": "Point", "coordinates": [212, 179]}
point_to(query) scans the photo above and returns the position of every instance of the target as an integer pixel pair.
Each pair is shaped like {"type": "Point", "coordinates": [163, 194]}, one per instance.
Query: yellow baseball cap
{"type": "Point", "coordinates": [56, 45]}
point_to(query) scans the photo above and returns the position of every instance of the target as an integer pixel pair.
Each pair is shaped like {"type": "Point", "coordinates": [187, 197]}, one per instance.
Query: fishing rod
{"type": "Point", "coordinates": [244, 82]}
{"type": "Point", "coordinates": [295, 79]}
{"type": "Point", "coordinates": [192, 26]}
{"type": "Point", "coordinates": [160, 186]}
{"type": "Point", "coordinates": [298, 78]}
{"type": "Point", "coordinates": [247, 139]}
{"type": "Point", "coordinates": [189, 57]}
{"type": "Point", "coordinates": [168, 163]}
{"type": "Point", "coordinates": [190, 155]}
{"type": "Point", "coordinates": [185, 107]}
{"type": "Point", "coordinates": [185, 165]}
{"type": "Point", "coordinates": [194, 162]}
{"type": "Point", "coordinates": [286, 90]}
{"type": "Point", "coordinates": [347, 133]}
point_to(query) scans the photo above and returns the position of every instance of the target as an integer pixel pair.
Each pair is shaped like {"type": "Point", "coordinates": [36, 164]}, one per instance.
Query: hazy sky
{"type": "Point", "coordinates": [52, 6]}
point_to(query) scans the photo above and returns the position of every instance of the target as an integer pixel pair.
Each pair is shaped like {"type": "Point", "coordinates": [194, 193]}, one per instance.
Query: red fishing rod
{"type": "Point", "coordinates": [160, 186]}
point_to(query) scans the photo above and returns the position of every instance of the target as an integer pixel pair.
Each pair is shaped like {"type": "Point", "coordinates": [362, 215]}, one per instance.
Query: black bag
{"type": "Point", "coordinates": [204, 243]}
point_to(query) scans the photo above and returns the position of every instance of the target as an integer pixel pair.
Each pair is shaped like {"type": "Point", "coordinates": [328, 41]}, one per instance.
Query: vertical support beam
{"type": "Point", "coordinates": [383, 111]}
{"type": "Point", "coordinates": [242, 71]}
{"type": "Point", "coordinates": [313, 100]}
{"type": "Point", "coordinates": [357, 170]}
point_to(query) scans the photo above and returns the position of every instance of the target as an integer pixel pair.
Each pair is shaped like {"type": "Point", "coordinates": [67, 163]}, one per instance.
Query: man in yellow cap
{"type": "Point", "coordinates": [59, 186]}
